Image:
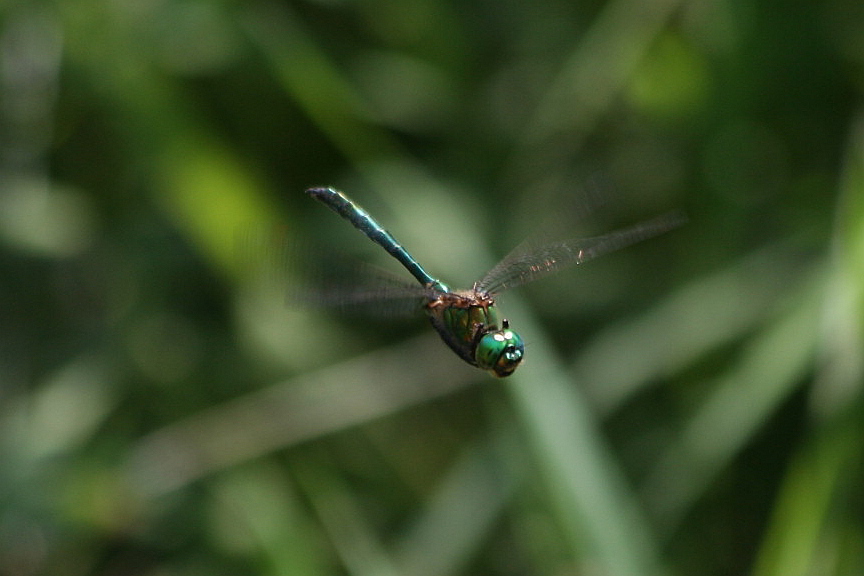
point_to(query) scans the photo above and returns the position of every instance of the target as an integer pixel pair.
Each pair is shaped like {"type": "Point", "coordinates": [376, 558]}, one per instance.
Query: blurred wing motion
{"type": "Point", "coordinates": [310, 277]}
{"type": "Point", "coordinates": [362, 288]}
{"type": "Point", "coordinates": [527, 262]}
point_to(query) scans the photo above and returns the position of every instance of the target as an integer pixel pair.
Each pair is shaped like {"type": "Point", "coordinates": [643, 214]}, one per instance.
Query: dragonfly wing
{"type": "Point", "coordinates": [528, 261]}
{"type": "Point", "coordinates": [362, 288]}
{"type": "Point", "coordinates": [309, 276]}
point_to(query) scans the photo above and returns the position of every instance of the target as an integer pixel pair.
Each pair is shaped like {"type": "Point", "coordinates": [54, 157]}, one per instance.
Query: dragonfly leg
{"type": "Point", "coordinates": [478, 332]}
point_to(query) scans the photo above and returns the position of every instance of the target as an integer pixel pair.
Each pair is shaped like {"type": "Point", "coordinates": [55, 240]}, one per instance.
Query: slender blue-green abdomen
{"type": "Point", "coordinates": [375, 232]}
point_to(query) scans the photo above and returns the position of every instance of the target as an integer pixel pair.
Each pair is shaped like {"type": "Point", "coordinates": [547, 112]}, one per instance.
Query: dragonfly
{"type": "Point", "coordinates": [468, 321]}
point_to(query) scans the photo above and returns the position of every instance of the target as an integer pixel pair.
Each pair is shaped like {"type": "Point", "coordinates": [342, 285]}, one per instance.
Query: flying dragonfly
{"type": "Point", "coordinates": [468, 321]}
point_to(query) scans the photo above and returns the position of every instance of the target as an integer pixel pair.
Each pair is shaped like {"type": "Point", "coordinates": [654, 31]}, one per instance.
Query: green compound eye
{"type": "Point", "coordinates": [500, 352]}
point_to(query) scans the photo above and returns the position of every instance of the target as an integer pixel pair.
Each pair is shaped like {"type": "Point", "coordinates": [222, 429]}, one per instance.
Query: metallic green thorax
{"type": "Point", "coordinates": [468, 322]}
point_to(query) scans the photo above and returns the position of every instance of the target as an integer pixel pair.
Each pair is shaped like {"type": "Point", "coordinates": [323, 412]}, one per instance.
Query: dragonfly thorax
{"type": "Point", "coordinates": [468, 322]}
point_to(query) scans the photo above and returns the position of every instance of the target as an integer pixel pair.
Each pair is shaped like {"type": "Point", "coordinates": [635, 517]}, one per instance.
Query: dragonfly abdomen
{"type": "Point", "coordinates": [361, 220]}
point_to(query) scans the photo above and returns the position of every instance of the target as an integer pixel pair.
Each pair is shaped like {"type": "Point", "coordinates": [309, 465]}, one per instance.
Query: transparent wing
{"type": "Point", "coordinates": [309, 276]}
{"type": "Point", "coordinates": [360, 288]}
{"type": "Point", "coordinates": [528, 261]}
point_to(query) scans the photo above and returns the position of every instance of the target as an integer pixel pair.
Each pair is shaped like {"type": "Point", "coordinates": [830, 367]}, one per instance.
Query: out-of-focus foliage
{"type": "Point", "coordinates": [691, 405]}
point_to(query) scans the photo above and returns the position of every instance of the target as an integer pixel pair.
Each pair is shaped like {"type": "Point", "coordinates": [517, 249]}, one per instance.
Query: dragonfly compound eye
{"type": "Point", "coordinates": [500, 352]}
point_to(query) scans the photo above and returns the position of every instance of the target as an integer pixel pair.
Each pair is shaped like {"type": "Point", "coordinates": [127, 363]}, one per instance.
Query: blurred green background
{"type": "Point", "coordinates": [691, 405]}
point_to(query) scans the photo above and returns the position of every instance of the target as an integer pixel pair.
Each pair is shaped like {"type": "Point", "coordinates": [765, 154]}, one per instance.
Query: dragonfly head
{"type": "Point", "coordinates": [500, 351]}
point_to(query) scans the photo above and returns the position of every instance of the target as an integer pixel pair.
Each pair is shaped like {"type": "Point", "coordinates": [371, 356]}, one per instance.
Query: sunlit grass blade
{"type": "Point", "coordinates": [340, 513]}
{"type": "Point", "coordinates": [770, 368]}
{"type": "Point", "coordinates": [451, 528]}
{"type": "Point", "coordinates": [260, 511]}
{"type": "Point", "coordinates": [802, 537]}
{"type": "Point", "coordinates": [325, 95]}
{"type": "Point", "coordinates": [691, 322]}
{"type": "Point", "coordinates": [811, 530]}
{"type": "Point", "coordinates": [601, 517]}
{"type": "Point", "coordinates": [309, 406]}
{"type": "Point", "coordinates": [591, 77]}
